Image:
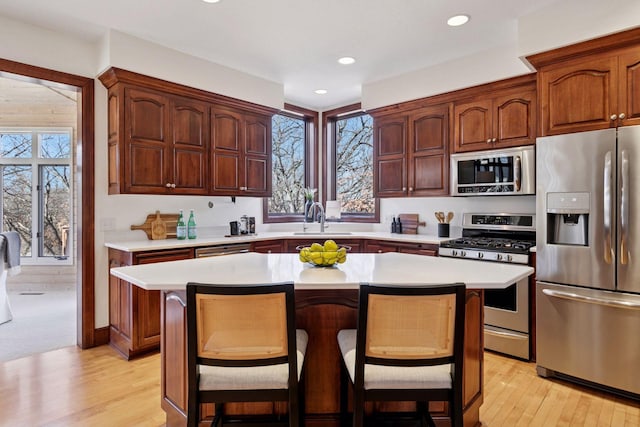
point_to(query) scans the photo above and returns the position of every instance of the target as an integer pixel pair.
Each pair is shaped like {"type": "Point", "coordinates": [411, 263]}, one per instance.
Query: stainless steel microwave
{"type": "Point", "coordinates": [510, 171]}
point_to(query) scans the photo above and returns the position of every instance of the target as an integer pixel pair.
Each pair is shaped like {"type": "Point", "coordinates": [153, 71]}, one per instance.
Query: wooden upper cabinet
{"type": "Point", "coordinates": [190, 121]}
{"type": "Point", "coordinates": [165, 138]}
{"type": "Point", "coordinates": [579, 96]}
{"type": "Point", "coordinates": [389, 156]}
{"type": "Point", "coordinates": [497, 120]}
{"type": "Point", "coordinates": [428, 172]}
{"type": "Point", "coordinates": [411, 153]}
{"type": "Point", "coordinates": [147, 151]}
{"type": "Point", "coordinates": [590, 85]}
{"type": "Point", "coordinates": [629, 84]}
{"type": "Point", "coordinates": [241, 153]}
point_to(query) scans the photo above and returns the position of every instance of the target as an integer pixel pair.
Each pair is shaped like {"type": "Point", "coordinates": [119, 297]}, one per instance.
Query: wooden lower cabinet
{"type": "Point", "coordinates": [134, 313]}
{"type": "Point", "coordinates": [380, 246]}
{"type": "Point", "coordinates": [322, 313]}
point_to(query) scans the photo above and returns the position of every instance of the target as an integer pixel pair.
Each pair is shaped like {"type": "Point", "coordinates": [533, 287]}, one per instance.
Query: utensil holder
{"type": "Point", "coordinates": [443, 230]}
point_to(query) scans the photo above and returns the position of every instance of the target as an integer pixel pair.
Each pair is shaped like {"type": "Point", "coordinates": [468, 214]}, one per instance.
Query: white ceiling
{"type": "Point", "coordinates": [296, 42]}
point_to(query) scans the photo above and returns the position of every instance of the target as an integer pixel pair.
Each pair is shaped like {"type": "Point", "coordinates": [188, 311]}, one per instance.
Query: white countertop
{"type": "Point", "coordinates": [387, 268]}
{"type": "Point", "coordinates": [149, 245]}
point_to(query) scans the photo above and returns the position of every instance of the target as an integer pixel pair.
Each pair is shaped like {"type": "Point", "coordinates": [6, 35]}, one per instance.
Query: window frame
{"type": "Point", "coordinates": [36, 163]}
{"type": "Point", "coordinates": [329, 119]}
{"type": "Point", "coordinates": [310, 160]}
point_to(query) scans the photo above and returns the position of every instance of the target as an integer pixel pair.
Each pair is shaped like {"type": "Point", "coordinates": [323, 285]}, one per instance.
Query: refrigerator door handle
{"type": "Point", "coordinates": [517, 173]}
{"type": "Point", "coordinates": [592, 300]}
{"type": "Point", "coordinates": [624, 208]}
{"type": "Point", "coordinates": [607, 211]}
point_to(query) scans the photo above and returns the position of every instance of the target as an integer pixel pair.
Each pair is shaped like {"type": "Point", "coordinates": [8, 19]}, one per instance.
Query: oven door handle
{"type": "Point", "coordinates": [504, 334]}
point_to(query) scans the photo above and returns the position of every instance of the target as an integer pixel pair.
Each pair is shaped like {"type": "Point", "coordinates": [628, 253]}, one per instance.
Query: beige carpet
{"type": "Point", "coordinates": [42, 321]}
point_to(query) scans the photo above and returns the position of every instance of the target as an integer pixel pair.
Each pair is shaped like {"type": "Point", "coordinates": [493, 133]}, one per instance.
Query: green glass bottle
{"type": "Point", "coordinates": [181, 228]}
{"type": "Point", "coordinates": [191, 226]}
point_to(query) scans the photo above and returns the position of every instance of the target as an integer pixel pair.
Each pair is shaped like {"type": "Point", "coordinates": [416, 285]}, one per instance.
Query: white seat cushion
{"type": "Point", "coordinates": [253, 378]}
{"type": "Point", "coordinates": [393, 377]}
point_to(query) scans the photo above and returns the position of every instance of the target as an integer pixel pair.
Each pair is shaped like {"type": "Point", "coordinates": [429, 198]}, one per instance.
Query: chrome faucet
{"type": "Point", "coordinates": [313, 216]}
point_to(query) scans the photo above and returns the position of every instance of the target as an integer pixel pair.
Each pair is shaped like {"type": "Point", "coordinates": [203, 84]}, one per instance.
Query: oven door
{"type": "Point", "coordinates": [506, 319]}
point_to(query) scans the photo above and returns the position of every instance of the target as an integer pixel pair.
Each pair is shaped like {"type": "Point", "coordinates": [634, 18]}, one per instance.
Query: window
{"type": "Point", "coordinates": [293, 163]}
{"type": "Point", "coordinates": [36, 190]}
{"type": "Point", "coordinates": [350, 163]}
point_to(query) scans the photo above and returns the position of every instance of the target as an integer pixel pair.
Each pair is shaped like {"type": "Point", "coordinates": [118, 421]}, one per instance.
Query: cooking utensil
{"type": "Point", "coordinates": [440, 217]}
{"type": "Point", "coordinates": [449, 217]}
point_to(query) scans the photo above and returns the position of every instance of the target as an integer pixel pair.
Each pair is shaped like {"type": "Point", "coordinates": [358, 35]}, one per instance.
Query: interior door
{"type": "Point", "coordinates": [570, 181]}
{"type": "Point", "coordinates": [628, 242]}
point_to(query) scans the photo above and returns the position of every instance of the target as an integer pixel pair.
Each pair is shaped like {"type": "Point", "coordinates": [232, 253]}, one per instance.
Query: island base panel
{"type": "Point", "coordinates": [322, 314]}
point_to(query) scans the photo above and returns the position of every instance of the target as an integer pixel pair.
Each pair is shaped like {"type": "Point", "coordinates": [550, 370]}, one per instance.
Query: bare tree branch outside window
{"type": "Point", "coordinates": [354, 164]}
{"type": "Point", "coordinates": [288, 156]}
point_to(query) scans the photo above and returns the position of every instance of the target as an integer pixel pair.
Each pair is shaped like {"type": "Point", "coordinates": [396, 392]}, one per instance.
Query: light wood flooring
{"type": "Point", "coordinates": [70, 387]}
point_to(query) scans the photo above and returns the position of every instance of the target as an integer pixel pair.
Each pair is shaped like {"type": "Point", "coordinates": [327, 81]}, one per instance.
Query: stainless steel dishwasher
{"type": "Point", "coordinates": [226, 249]}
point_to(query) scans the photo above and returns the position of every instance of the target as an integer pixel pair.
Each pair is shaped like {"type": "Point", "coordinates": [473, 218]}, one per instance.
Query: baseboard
{"type": "Point", "coordinates": [101, 336]}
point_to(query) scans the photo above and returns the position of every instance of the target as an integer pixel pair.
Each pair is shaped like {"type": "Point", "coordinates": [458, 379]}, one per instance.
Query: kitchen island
{"type": "Point", "coordinates": [326, 301]}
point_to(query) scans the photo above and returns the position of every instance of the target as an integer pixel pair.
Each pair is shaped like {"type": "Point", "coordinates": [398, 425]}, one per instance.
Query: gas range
{"type": "Point", "coordinates": [493, 237]}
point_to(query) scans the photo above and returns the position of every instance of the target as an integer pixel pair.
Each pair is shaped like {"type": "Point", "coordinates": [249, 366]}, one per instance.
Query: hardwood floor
{"type": "Point", "coordinates": [96, 387]}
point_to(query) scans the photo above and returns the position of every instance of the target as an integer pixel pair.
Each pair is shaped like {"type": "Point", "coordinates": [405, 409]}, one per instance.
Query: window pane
{"type": "Point", "coordinates": [354, 164]}
{"type": "Point", "coordinates": [16, 203]}
{"type": "Point", "coordinates": [55, 210]}
{"type": "Point", "coordinates": [55, 145]}
{"type": "Point", "coordinates": [15, 145]}
{"type": "Point", "coordinates": [288, 156]}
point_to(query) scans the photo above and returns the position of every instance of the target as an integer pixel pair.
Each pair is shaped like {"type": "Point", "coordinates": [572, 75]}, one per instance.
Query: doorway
{"type": "Point", "coordinates": [83, 165]}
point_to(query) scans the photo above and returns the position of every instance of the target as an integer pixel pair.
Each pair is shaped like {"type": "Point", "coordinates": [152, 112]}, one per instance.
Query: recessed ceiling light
{"type": "Point", "coordinates": [346, 60]}
{"type": "Point", "coordinates": [211, 1]}
{"type": "Point", "coordinates": [456, 21]}
{"type": "Point", "coordinates": [320, 91]}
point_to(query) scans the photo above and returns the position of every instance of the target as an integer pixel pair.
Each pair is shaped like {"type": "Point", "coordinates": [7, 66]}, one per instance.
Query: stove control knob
{"type": "Point", "coordinates": [463, 253]}
{"type": "Point", "coordinates": [480, 255]}
{"type": "Point", "coordinates": [509, 258]}
{"type": "Point", "coordinates": [499, 257]}
{"type": "Point", "coordinates": [454, 252]}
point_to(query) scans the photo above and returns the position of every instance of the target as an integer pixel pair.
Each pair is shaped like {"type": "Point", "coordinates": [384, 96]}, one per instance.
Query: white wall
{"type": "Point", "coordinates": [485, 67]}
{"type": "Point", "coordinates": [562, 23]}
{"type": "Point", "coordinates": [570, 21]}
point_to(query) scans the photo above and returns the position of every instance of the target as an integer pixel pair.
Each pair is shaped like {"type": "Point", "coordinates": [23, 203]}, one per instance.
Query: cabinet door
{"type": "Point", "coordinates": [629, 82]}
{"type": "Point", "coordinates": [226, 144]}
{"type": "Point", "coordinates": [390, 163]}
{"type": "Point", "coordinates": [190, 121]}
{"type": "Point", "coordinates": [256, 175]}
{"type": "Point", "coordinates": [473, 125]}
{"type": "Point", "coordinates": [147, 159]}
{"type": "Point", "coordinates": [579, 96]}
{"type": "Point", "coordinates": [515, 119]}
{"type": "Point", "coordinates": [429, 152]}
{"type": "Point", "coordinates": [379, 247]}
{"type": "Point", "coordinates": [268, 247]}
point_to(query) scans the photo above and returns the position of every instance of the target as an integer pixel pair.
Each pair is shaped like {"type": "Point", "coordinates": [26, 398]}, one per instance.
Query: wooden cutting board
{"type": "Point", "coordinates": [161, 221]}
{"type": "Point", "coordinates": [410, 223]}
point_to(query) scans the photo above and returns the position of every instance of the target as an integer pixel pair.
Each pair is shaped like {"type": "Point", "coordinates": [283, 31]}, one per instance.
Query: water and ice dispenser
{"type": "Point", "coordinates": [568, 219]}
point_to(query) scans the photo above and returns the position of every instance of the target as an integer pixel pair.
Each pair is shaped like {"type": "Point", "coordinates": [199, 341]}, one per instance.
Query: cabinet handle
{"type": "Point", "coordinates": [168, 185]}
{"type": "Point", "coordinates": [613, 117]}
{"type": "Point", "coordinates": [404, 188]}
{"type": "Point", "coordinates": [622, 116]}
{"type": "Point", "coordinates": [243, 188]}
{"type": "Point", "coordinates": [489, 141]}
{"type": "Point", "coordinates": [173, 186]}
{"type": "Point", "coordinates": [493, 139]}
{"type": "Point", "coordinates": [410, 189]}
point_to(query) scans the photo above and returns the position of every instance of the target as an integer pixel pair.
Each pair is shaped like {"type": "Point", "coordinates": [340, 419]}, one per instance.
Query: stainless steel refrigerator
{"type": "Point", "coordinates": [588, 258]}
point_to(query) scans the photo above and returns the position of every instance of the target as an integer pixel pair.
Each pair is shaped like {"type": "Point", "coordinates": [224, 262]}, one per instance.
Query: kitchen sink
{"type": "Point", "coordinates": [319, 233]}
